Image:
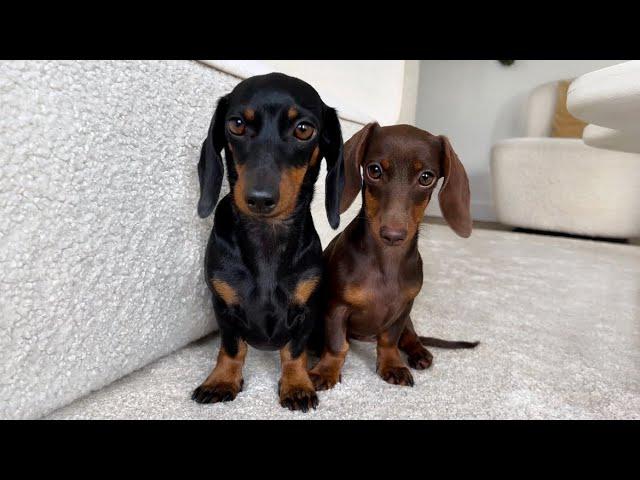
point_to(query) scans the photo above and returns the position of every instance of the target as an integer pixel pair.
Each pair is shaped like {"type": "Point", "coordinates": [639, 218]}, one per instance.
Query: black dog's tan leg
{"type": "Point", "coordinates": [390, 365]}
{"type": "Point", "coordinates": [418, 357]}
{"type": "Point", "coordinates": [326, 373]}
{"type": "Point", "coordinates": [295, 388]}
{"type": "Point", "coordinates": [225, 380]}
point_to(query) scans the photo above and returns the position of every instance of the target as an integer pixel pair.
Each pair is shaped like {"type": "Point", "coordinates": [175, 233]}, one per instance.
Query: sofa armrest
{"type": "Point", "coordinates": [564, 185]}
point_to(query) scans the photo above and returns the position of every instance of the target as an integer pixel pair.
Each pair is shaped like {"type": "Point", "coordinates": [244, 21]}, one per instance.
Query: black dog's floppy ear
{"type": "Point", "coordinates": [454, 196]}
{"type": "Point", "coordinates": [354, 151]}
{"type": "Point", "coordinates": [210, 168]}
{"type": "Point", "coordinates": [331, 146]}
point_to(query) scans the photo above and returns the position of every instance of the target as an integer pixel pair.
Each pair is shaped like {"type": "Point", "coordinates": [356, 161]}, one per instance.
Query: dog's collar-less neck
{"type": "Point", "coordinates": [271, 234]}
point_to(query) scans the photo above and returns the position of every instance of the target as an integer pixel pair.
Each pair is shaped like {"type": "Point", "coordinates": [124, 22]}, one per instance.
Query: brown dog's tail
{"type": "Point", "coordinates": [439, 343]}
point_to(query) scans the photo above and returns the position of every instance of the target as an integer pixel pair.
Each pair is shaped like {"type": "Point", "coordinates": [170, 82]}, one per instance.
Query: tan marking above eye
{"type": "Point", "coordinates": [385, 163]}
{"type": "Point", "coordinates": [249, 114]}
{"type": "Point", "coordinates": [417, 165]}
{"type": "Point", "coordinates": [292, 113]}
{"type": "Point", "coordinates": [304, 289]}
{"type": "Point", "coordinates": [225, 291]}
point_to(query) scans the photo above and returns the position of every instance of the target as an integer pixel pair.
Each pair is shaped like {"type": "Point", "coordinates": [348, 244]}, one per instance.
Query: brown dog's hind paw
{"type": "Point", "coordinates": [397, 376]}
{"type": "Point", "coordinates": [298, 397]}
{"type": "Point", "coordinates": [324, 381]}
{"type": "Point", "coordinates": [420, 360]}
{"type": "Point", "coordinates": [220, 392]}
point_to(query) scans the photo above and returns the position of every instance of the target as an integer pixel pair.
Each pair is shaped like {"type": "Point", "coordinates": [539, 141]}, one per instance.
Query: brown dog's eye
{"type": "Point", "coordinates": [303, 131]}
{"type": "Point", "coordinates": [236, 126]}
{"type": "Point", "coordinates": [427, 179]}
{"type": "Point", "coordinates": [374, 171]}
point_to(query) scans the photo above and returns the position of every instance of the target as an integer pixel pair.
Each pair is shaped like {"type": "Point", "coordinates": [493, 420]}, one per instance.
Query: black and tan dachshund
{"type": "Point", "coordinates": [263, 261]}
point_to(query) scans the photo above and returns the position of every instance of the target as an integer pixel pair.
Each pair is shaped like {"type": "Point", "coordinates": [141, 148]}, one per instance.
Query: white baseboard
{"type": "Point", "coordinates": [480, 210]}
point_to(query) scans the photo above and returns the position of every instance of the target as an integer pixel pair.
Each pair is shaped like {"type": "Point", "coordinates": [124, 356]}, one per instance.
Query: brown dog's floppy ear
{"type": "Point", "coordinates": [210, 169]}
{"type": "Point", "coordinates": [354, 151]}
{"type": "Point", "coordinates": [331, 147]}
{"type": "Point", "coordinates": [454, 196]}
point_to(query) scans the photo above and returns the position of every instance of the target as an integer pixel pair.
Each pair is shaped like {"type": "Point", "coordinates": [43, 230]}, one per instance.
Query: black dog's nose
{"type": "Point", "coordinates": [393, 236]}
{"type": "Point", "coordinates": [261, 201]}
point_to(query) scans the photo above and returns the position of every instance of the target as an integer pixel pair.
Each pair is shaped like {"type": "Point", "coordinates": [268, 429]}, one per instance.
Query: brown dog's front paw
{"type": "Point", "coordinates": [324, 380]}
{"type": "Point", "coordinates": [298, 397]}
{"type": "Point", "coordinates": [217, 392]}
{"type": "Point", "coordinates": [420, 360]}
{"type": "Point", "coordinates": [397, 376]}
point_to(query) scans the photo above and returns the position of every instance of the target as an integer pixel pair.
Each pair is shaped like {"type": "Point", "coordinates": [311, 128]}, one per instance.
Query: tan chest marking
{"type": "Point", "coordinates": [225, 291]}
{"type": "Point", "coordinates": [304, 289]}
{"type": "Point", "coordinates": [362, 297]}
{"type": "Point", "coordinates": [356, 295]}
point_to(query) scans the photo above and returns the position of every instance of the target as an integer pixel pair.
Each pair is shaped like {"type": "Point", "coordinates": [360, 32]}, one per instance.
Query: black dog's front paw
{"type": "Point", "coordinates": [217, 392]}
{"type": "Point", "coordinates": [397, 376]}
{"type": "Point", "coordinates": [298, 397]}
{"type": "Point", "coordinates": [420, 360]}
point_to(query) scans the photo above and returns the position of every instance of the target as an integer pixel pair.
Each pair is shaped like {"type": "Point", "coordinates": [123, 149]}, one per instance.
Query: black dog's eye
{"type": "Point", "coordinates": [427, 179]}
{"type": "Point", "coordinates": [304, 131]}
{"type": "Point", "coordinates": [374, 171]}
{"type": "Point", "coordinates": [236, 126]}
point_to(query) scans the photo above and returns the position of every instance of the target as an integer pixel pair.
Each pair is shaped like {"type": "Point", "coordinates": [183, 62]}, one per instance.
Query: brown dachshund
{"type": "Point", "coordinates": [373, 268]}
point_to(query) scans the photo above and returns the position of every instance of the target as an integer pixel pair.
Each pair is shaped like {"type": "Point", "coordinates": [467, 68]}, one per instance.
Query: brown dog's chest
{"type": "Point", "coordinates": [377, 301]}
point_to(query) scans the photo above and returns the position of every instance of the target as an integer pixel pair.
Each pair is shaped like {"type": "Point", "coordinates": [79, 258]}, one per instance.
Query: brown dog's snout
{"type": "Point", "coordinates": [393, 236]}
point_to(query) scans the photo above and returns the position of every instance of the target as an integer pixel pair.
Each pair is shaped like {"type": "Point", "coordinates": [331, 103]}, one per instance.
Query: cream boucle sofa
{"type": "Point", "coordinates": [561, 184]}
{"type": "Point", "coordinates": [101, 249]}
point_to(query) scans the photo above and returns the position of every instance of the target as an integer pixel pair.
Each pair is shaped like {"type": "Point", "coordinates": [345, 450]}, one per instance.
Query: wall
{"type": "Point", "coordinates": [476, 103]}
{"type": "Point", "coordinates": [373, 86]}
{"type": "Point", "coordinates": [101, 248]}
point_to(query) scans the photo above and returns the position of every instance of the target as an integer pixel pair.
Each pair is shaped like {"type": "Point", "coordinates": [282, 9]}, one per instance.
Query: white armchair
{"type": "Point", "coordinates": [561, 184]}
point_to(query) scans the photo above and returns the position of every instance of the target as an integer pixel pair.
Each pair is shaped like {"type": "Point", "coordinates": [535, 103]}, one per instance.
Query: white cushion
{"type": "Point", "coordinates": [563, 185]}
{"type": "Point", "coordinates": [612, 139]}
{"type": "Point", "coordinates": [540, 110]}
{"type": "Point", "coordinates": [101, 249]}
{"type": "Point", "coordinates": [609, 97]}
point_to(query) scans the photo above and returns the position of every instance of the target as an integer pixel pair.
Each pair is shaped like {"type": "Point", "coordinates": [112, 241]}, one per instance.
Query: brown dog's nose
{"type": "Point", "coordinates": [393, 236]}
{"type": "Point", "coordinates": [261, 201]}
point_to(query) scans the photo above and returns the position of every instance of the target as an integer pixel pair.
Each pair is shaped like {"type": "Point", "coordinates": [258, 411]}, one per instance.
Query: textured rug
{"type": "Point", "coordinates": [558, 318]}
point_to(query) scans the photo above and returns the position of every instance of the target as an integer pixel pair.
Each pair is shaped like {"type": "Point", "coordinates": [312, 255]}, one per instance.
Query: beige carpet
{"type": "Point", "coordinates": [559, 322]}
